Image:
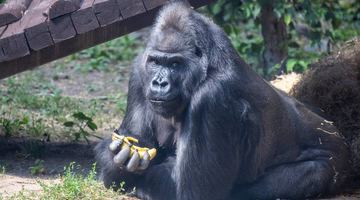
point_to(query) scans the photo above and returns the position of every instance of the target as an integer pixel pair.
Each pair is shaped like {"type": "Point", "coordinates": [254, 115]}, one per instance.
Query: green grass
{"type": "Point", "coordinates": [103, 56]}
{"type": "Point", "coordinates": [27, 109]}
{"type": "Point", "coordinates": [73, 186]}
{"type": "Point", "coordinates": [31, 103]}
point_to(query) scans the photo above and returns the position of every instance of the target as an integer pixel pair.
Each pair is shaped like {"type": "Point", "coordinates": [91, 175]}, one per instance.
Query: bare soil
{"type": "Point", "coordinates": [55, 157]}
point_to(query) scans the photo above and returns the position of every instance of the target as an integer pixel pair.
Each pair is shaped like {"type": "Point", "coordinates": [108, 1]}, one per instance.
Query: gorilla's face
{"type": "Point", "coordinates": [173, 70]}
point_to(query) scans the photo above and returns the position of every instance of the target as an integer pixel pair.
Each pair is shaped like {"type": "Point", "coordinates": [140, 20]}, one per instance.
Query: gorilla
{"type": "Point", "coordinates": [220, 130]}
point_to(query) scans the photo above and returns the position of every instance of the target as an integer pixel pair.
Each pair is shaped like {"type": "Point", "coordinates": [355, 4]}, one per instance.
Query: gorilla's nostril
{"type": "Point", "coordinates": [164, 84]}
{"type": "Point", "coordinates": [155, 83]}
{"type": "Point", "coordinates": [161, 83]}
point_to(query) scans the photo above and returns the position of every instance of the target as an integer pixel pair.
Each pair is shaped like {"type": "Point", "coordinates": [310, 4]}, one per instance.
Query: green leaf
{"type": "Point", "coordinates": [25, 120]}
{"type": "Point", "coordinates": [290, 65]}
{"type": "Point", "coordinates": [81, 116]}
{"type": "Point", "coordinates": [69, 124]}
{"type": "Point", "coordinates": [287, 19]}
{"type": "Point", "coordinates": [216, 9]}
{"type": "Point", "coordinates": [91, 125]}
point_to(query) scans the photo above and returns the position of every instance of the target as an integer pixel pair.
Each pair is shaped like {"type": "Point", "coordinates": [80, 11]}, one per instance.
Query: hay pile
{"type": "Point", "coordinates": [333, 84]}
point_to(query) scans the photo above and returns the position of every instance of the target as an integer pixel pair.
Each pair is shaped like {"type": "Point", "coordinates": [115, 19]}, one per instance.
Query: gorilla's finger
{"type": "Point", "coordinates": [145, 161]}
{"type": "Point", "coordinates": [115, 146]}
{"type": "Point", "coordinates": [122, 156]}
{"type": "Point", "coordinates": [134, 162]}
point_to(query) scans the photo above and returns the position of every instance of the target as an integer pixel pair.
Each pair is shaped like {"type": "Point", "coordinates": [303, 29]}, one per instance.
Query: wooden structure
{"type": "Point", "coordinates": [34, 32]}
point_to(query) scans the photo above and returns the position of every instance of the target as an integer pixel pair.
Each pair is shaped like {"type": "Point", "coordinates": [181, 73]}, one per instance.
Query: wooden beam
{"type": "Point", "coordinates": [75, 44]}
{"type": "Point", "coordinates": [84, 19]}
{"type": "Point", "coordinates": [62, 7]}
{"type": "Point", "coordinates": [106, 11]}
{"type": "Point", "coordinates": [61, 28]}
{"type": "Point", "coordinates": [12, 10]}
{"type": "Point", "coordinates": [151, 4]}
{"type": "Point", "coordinates": [129, 8]}
{"type": "Point", "coordinates": [36, 26]}
{"type": "Point", "coordinates": [13, 43]}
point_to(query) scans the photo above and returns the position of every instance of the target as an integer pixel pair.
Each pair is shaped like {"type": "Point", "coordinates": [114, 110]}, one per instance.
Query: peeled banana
{"type": "Point", "coordinates": [127, 142]}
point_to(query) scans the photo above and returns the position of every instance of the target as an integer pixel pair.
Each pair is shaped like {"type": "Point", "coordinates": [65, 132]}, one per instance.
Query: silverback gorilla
{"type": "Point", "coordinates": [220, 130]}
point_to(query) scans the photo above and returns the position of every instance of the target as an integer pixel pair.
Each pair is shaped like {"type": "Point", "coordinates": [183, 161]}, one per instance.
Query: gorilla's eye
{"type": "Point", "coordinates": [175, 64]}
{"type": "Point", "coordinates": [198, 52]}
{"type": "Point", "coordinates": [154, 60]}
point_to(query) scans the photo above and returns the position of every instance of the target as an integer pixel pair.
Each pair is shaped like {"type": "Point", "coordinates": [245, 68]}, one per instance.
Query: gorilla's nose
{"type": "Point", "coordinates": [160, 85]}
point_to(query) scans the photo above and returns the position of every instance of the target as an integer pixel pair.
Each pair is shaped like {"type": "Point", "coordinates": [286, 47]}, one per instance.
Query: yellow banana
{"type": "Point", "coordinates": [127, 140]}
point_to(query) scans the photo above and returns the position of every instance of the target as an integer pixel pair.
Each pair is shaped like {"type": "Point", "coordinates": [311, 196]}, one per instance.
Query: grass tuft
{"type": "Point", "coordinates": [73, 186]}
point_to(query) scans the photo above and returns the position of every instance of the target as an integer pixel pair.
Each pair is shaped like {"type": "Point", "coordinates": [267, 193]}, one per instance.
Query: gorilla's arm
{"type": "Point", "coordinates": [154, 183]}
{"type": "Point", "coordinates": [137, 123]}
{"type": "Point", "coordinates": [208, 155]}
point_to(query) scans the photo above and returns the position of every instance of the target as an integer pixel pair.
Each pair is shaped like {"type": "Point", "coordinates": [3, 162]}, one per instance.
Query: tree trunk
{"type": "Point", "coordinates": [274, 33]}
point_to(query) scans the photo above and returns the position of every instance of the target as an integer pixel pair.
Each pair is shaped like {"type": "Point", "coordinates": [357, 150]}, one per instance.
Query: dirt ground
{"type": "Point", "coordinates": [57, 155]}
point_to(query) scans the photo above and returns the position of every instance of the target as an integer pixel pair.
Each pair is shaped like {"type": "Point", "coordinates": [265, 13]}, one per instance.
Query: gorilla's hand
{"type": "Point", "coordinates": [138, 157]}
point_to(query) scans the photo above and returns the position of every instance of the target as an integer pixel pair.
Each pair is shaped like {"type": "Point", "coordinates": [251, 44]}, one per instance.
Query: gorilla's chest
{"type": "Point", "coordinates": [167, 132]}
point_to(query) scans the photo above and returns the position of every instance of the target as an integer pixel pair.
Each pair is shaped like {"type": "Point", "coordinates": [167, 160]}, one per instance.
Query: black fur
{"type": "Point", "coordinates": [229, 134]}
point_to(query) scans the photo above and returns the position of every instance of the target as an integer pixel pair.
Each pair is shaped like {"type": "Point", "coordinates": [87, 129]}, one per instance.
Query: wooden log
{"type": "Point", "coordinates": [77, 43]}
{"type": "Point", "coordinates": [84, 19]}
{"type": "Point", "coordinates": [81, 41]}
{"type": "Point", "coordinates": [13, 46]}
{"type": "Point", "coordinates": [13, 42]}
{"type": "Point", "coordinates": [62, 7]}
{"type": "Point", "coordinates": [62, 28]}
{"type": "Point", "coordinates": [35, 25]}
{"type": "Point", "coordinates": [106, 11]}
{"type": "Point", "coordinates": [12, 11]}
{"type": "Point", "coordinates": [129, 8]}
{"type": "Point", "coordinates": [151, 4]}
{"type": "Point", "coordinates": [2, 30]}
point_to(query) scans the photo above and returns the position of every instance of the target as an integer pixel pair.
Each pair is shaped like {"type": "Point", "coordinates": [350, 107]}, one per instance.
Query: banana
{"type": "Point", "coordinates": [143, 152]}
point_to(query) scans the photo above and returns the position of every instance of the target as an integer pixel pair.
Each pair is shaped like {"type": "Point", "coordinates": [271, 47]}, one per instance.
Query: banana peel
{"type": "Point", "coordinates": [128, 141]}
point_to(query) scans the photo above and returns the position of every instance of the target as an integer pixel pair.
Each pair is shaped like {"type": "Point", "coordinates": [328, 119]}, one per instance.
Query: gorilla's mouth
{"type": "Point", "coordinates": [160, 101]}
{"type": "Point", "coordinates": [165, 102]}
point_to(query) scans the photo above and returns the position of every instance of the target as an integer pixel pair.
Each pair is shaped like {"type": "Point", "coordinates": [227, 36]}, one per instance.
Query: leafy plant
{"type": "Point", "coordinates": [37, 168]}
{"type": "Point", "coordinates": [73, 186]}
{"type": "Point", "coordinates": [313, 28]}
{"type": "Point", "coordinates": [12, 126]}
{"type": "Point", "coordinates": [101, 56]}
{"type": "Point", "coordinates": [81, 125]}
{"type": "Point", "coordinates": [2, 170]}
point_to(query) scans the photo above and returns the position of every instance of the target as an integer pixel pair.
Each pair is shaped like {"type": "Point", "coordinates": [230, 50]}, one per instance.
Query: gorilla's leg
{"type": "Point", "coordinates": [295, 181]}
{"type": "Point", "coordinates": [154, 183]}
{"type": "Point", "coordinates": [157, 182]}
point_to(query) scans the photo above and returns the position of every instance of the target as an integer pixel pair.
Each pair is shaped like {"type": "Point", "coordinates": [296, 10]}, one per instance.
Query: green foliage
{"type": "Point", "coordinates": [32, 105]}
{"type": "Point", "coordinates": [80, 126]}
{"type": "Point", "coordinates": [313, 27]}
{"type": "Point", "coordinates": [2, 170]}
{"type": "Point", "coordinates": [37, 168]}
{"type": "Point", "coordinates": [11, 126]}
{"type": "Point", "coordinates": [100, 57]}
{"type": "Point", "coordinates": [73, 186]}
{"type": "Point", "coordinates": [240, 22]}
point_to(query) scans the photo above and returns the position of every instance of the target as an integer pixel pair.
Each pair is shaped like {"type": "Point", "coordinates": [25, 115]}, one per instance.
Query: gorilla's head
{"type": "Point", "coordinates": [175, 61]}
